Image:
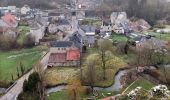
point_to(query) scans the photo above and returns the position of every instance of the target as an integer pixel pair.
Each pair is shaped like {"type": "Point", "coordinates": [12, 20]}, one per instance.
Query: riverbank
{"type": "Point", "coordinates": [116, 86]}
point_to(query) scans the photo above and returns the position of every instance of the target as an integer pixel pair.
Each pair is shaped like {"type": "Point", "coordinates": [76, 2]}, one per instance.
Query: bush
{"type": "Point", "coordinates": [29, 41]}
{"type": "Point", "coordinates": [27, 96]}
{"type": "Point", "coordinates": [7, 42]}
{"type": "Point", "coordinates": [122, 48]}
{"type": "Point", "coordinates": [32, 82]}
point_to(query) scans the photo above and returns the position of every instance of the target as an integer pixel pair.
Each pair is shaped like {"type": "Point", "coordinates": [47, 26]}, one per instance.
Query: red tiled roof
{"type": "Point", "coordinates": [73, 54]}
{"type": "Point", "coordinates": [57, 58]}
{"type": "Point", "coordinates": [9, 19]}
{"type": "Point", "coordinates": [109, 98]}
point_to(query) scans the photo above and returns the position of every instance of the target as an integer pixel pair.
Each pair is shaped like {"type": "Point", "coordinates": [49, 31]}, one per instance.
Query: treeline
{"type": "Point", "coordinates": [150, 10]}
{"type": "Point", "coordinates": [42, 4]}
{"type": "Point", "coordinates": [8, 42]}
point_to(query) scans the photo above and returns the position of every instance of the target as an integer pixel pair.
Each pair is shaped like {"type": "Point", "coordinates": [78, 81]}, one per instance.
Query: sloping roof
{"type": "Point", "coordinates": [54, 14]}
{"type": "Point", "coordinates": [61, 44]}
{"type": "Point", "coordinates": [152, 43]}
{"type": "Point", "coordinates": [107, 22]}
{"type": "Point", "coordinates": [87, 28]}
{"type": "Point", "coordinates": [73, 55]}
{"type": "Point", "coordinates": [62, 21]}
{"type": "Point", "coordinates": [10, 20]}
{"type": "Point", "coordinates": [3, 24]}
{"type": "Point", "coordinates": [76, 39]}
{"type": "Point", "coordinates": [33, 24]}
{"type": "Point", "coordinates": [57, 58]}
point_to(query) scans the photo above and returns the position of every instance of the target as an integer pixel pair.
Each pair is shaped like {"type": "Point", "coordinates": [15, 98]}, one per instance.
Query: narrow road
{"type": "Point", "coordinates": [13, 93]}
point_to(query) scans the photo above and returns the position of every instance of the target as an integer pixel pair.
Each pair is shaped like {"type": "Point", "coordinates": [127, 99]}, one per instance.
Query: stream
{"type": "Point", "coordinates": [116, 86]}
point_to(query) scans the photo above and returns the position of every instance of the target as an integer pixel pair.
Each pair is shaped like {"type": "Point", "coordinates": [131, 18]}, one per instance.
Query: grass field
{"type": "Point", "coordinates": [59, 75]}
{"type": "Point", "coordinates": [141, 82]}
{"type": "Point", "coordinates": [119, 38]}
{"type": "Point", "coordinates": [22, 34]}
{"type": "Point", "coordinates": [61, 95]}
{"type": "Point", "coordinates": [160, 36]}
{"type": "Point", "coordinates": [57, 96]}
{"type": "Point", "coordinates": [10, 60]}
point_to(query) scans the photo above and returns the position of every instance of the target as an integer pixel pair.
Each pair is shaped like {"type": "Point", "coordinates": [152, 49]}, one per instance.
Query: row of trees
{"type": "Point", "coordinates": [8, 42]}
{"type": "Point", "coordinates": [150, 10]}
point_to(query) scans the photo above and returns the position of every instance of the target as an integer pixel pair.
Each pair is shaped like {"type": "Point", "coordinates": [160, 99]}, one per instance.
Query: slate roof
{"type": "Point", "coordinates": [87, 28]}
{"type": "Point", "coordinates": [107, 22]}
{"type": "Point", "coordinates": [62, 21]}
{"type": "Point", "coordinates": [76, 39]}
{"type": "Point", "coordinates": [54, 14]}
{"type": "Point", "coordinates": [62, 44]}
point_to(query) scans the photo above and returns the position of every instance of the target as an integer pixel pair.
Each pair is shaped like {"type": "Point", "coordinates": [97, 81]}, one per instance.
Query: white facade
{"type": "Point", "coordinates": [25, 9]}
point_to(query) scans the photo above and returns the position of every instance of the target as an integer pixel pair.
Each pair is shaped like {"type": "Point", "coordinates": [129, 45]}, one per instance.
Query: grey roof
{"type": "Point", "coordinates": [62, 21]}
{"type": "Point", "coordinates": [87, 28]}
{"type": "Point", "coordinates": [33, 24]}
{"type": "Point", "coordinates": [124, 24]}
{"type": "Point", "coordinates": [61, 44]}
{"type": "Point", "coordinates": [107, 22]}
{"type": "Point", "coordinates": [54, 14]}
{"type": "Point", "coordinates": [3, 24]}
{"type": "Point", "coordinates": [76, 39]}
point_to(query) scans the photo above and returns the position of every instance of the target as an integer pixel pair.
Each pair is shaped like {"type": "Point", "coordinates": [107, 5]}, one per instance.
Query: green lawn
{"type": "Point", "coordinates": [57, 96]}
{"type": "Point", "coordinates": [61, 95]}
{"type": "Point", "coordinates": [10, 60]}
{"type": "Point", "coordinates": [119, 38]}
{"type": "Point", "coordinates": [60, 75]}
{"type": "Point", "coordinates": [22, 34]}
{"type": "Point", "coordinates": [91, 22]}
{"type": "Point", "coordinates": [141, 82]}
{"type": "Point", "coordinates": [164, 37]}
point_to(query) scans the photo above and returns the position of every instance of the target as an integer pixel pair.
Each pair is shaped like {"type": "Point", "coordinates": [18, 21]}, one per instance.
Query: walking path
{"type": "Point", "coordinates": [23, 54]}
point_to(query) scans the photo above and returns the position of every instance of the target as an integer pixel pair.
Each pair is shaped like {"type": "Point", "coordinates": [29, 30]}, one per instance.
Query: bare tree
{"type": "Point", "coordinates": [104, 45]}
{"type": "Point", "coordinates": [91, 61]}
{"type": "Point", "coordinates": [7, 42]}
{"type": "Point", "coordinates": [41, 85]}
{"type": "Point", "coordinates": [74, 89]}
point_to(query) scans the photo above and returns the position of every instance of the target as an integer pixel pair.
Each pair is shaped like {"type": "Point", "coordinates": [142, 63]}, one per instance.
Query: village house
{"type": "Point", "coordinates": [25, 9]}
{"type": "Point", "coordinates": [60, 34]}
{"type": "Point", "coordinates": [8, 25]}
{"type": "Point", "coordinates": [59, 23]}
{"type": "Point", "coordinates": [53, 16]}
{"type": "Point", "coordinates": [152, 44]}
{"type": "Point", "coordinates": [37, 28]}
{"type": "Point", "coordinates": [106, 26]}
{"type": "Point", "coordinates": [120, 22]}
{"type": "Point", "coordinates": [8, 9]}
{"type": "Point", "coordinates": [76, 38]}
{"type": "Point", "coordinates": [88, 33]}
{"type": "Point", "coordinates": [63, 24]}
{"type": "Point", "coordinates": [64, 53]}
{"type": "Point", "coordinates": [138, 25]}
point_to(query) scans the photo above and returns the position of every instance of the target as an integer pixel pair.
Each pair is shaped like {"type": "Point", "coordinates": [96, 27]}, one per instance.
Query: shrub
{"type": "Point", "coordinates": [7, 42]}
{"type": "Point", "coordinates": [32, 82]}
